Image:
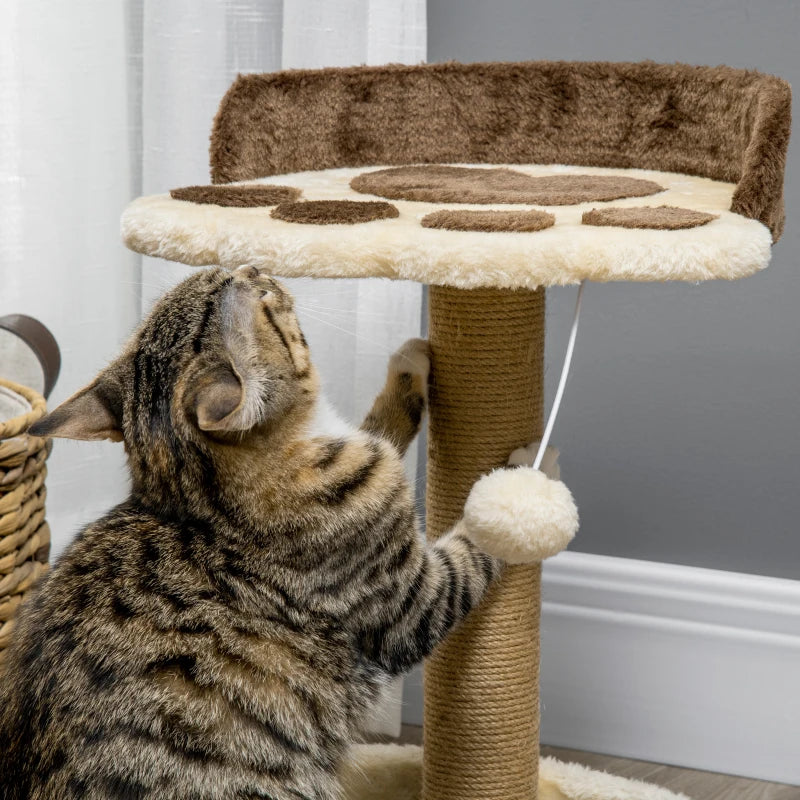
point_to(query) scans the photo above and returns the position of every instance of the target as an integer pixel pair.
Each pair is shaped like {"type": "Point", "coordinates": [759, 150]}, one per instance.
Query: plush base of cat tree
{"type": "Point", "coordinates": [394, 772]}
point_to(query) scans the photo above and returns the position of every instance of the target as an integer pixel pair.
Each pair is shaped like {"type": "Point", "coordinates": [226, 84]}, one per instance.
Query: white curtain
{"type": "Point", "coordinates": [65, 174]}
{"type": "Point", "coordinates": [102, 101]}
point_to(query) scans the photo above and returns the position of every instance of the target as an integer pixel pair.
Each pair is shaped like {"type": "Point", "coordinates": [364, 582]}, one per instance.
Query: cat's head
{"type": "Point", "coordinates": [219, 356]}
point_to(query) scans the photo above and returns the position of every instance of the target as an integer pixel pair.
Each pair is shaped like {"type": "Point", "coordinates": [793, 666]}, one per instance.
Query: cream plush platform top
{"type": "Point", "coordinates": [729, 246]}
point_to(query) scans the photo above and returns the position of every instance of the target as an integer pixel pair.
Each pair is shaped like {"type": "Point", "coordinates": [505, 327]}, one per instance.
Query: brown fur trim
{"type": "Point", "coordinates": [716, 122]}
{"type": "Point", "coordinates": [334, 212]}
{"type": "Point", "coordinates": [439, 183]}
{"type": "Point", "coordinates": [465, 220]}
{"type": "Point", "coordinates": [238, 196]}
{"type": "Point", "coordinates": [663, 218]}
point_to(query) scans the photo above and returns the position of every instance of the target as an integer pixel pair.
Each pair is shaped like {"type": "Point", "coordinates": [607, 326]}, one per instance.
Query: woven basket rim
{"type": "Point", "coordinates": [16, 425]}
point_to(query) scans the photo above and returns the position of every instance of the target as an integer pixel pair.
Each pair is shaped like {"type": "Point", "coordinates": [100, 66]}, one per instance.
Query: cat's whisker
{"type": "Point", "coordinates": [354, 334]}
{"type": "Point", "coordinates": [321, 286]}
{"type": "Point", "coordinates": [330, 310]}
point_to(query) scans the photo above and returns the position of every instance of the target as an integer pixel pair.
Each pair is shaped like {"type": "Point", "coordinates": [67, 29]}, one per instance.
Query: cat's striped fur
{"type": "Point", "coordinates": [223, 632]}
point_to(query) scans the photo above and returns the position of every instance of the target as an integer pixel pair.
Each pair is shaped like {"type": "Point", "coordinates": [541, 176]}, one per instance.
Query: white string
{"type": "Point", "coordinates": [551, 420]}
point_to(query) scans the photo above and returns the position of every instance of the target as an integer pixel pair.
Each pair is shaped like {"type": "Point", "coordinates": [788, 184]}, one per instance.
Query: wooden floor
{"type": "Point", "coordinates": [696, 784]}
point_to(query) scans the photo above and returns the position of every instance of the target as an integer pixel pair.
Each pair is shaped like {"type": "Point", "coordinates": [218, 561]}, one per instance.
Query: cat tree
{"type": "Point", "coordinates": [567, 172]}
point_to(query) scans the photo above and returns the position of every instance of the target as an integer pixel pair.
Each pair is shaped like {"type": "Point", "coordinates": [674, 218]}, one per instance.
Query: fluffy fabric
{"type": "Point", "coordinates": [442, 183]}
{"type": "Point", "coordinates": [729, 247]}
{"type": "Point", "coordinates": [334, 212]}
{"type": "Point", "coordinates": [576, 782]}
{"type": "Point", "coordinates": [394, 772]}
{"type": "Point", "coordinates": [520, 516]}
{"type": "Point", "coordinates": [245, 196]}
{"type": "Point", "coordinates": [458, 219]}
{"type": "Point", "coordinates": [663, 218]}
{"type": "Point", "coordinates": [716, 122]}
{"type": "Point", "coordinates": [382, 772]}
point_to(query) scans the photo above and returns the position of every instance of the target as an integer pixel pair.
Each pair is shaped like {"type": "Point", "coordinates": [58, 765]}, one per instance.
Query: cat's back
{"type": "Point", "coordinates": [74, 652]}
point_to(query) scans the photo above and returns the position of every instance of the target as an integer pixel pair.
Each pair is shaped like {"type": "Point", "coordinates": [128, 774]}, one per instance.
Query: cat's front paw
{"type": "Point", "coordinates": [413, 359]}
{"type": "Point", "coordinates": [413, 356]}
{"type": "Point", "coordinates": [520, 515]}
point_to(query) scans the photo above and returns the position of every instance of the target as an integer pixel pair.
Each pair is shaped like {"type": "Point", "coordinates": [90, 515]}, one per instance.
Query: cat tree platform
{"type": "Point", "coordinates": [488, 182]}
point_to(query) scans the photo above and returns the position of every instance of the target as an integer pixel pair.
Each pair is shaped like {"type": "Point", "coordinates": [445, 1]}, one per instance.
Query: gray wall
{"type": "Point", "coordinates": [679, 429]}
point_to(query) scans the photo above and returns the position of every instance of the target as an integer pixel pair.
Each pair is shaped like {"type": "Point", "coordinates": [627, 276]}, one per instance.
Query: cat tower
{"type": "Point", "coordinates": [488, 182]}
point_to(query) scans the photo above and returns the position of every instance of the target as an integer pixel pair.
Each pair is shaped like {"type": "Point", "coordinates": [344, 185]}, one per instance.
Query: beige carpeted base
{"type": "Point", "coordinates": [394, 772]}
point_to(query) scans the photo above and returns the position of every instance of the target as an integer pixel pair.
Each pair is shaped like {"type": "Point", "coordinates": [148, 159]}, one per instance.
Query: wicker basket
{"type": "Point", "coordinates": [24, 533]}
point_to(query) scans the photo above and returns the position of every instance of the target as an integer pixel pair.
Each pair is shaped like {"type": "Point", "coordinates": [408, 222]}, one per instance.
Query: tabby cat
{"type": "Point", "coordinates": [224, 631]}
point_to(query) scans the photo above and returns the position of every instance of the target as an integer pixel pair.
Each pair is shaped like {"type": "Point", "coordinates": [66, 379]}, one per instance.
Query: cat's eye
{"type": "Point", "coordinates": [267, 294]}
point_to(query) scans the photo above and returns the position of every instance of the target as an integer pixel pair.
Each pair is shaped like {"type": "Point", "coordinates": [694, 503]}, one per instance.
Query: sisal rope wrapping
{"type": "Point", "coordinates": [482, 684]}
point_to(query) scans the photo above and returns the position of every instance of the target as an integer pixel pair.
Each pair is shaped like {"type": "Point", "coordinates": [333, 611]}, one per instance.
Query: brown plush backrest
{"type": "Point", "coordinates": [729, 125]}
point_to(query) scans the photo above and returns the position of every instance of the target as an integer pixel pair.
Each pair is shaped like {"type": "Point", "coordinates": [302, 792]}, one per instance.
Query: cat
{"type": "Point", "coordinates": [224, 631]}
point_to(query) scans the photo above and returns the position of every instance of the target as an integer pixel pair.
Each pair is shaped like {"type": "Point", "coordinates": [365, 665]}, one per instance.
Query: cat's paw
{"type": "Point", "coordinates": [525, 456]}
{"type": "Point", "coordinates": [414, 357]}
{"type": "Point", "coordinates": [520, 515]}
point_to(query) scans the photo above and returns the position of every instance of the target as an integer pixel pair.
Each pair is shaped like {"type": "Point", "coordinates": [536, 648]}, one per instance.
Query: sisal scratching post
{"type": "Point", "coordinates": [482, 683]}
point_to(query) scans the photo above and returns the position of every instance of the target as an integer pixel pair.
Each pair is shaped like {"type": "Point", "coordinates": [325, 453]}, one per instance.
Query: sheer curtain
{"type": "Point", "coordinates": [104, 101]}
{"type": "Point", "coordinates": [65, 174]}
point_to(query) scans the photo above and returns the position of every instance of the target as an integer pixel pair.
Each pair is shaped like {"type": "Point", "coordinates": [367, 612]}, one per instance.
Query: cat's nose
{"type": "Point", "coordinates": [246, 271]}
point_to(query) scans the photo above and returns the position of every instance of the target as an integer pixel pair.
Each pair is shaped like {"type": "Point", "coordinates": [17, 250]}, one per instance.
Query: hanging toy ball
{"type": "Point", "coordinates": [519, 514]}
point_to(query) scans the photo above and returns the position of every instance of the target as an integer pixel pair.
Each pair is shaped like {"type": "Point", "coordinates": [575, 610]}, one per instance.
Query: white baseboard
{"type": "Point", "coordinates": [673, 664]}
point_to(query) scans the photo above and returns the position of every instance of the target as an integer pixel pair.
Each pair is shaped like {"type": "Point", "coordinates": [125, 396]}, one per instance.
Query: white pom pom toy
{"type": "Point", "coordinates": [520, 515]}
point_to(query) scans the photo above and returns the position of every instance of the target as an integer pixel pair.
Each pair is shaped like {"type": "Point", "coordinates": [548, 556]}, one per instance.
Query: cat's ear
{"type": "Point", "coordinates": [92, 413]}
{"type": "Point", "coordinates": [220, 402]}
